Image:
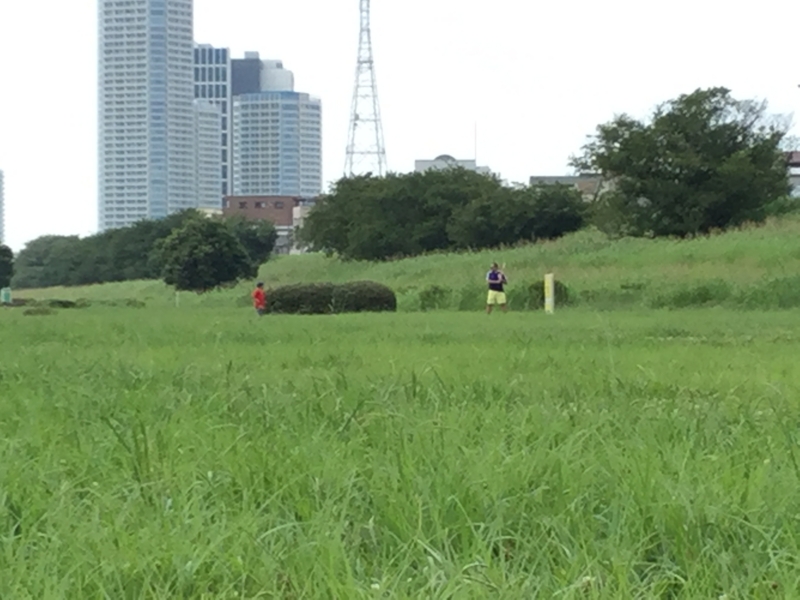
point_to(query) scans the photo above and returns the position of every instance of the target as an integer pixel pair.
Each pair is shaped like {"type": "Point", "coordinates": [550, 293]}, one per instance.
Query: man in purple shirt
{"type": "Point", "coordinates": [496, 280]}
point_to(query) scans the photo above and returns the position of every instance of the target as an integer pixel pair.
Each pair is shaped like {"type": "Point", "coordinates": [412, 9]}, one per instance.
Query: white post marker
{"type": "Point", "coordinates": [549, 294]}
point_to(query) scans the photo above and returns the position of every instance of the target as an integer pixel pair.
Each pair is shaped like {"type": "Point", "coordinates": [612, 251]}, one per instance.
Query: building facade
{"type": "Point", "coordinates": [794, 173]}
{"type": "Point", "coordinates": [277, 144]}
{"type": "Point", "coordinates": [212, 83]}
{"type": "Point", "coordinates": [146, 116]}
{"type": "Point", "coordinates": [207, 149]}
{"type": "Point", "coordinates": [589, 185]}
{"type": "Point", "coordinates": [2, 211]}
{"type": "Point", "coordinates": [246, 74]}
{"type": "Point", "coordinates": [445, 161]}
{"type": "Point", "coordinates": [278, 210]}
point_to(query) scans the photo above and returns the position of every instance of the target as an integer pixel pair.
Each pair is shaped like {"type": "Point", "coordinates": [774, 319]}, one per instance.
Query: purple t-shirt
{"type": "Point", "coordinates": [496, 280]}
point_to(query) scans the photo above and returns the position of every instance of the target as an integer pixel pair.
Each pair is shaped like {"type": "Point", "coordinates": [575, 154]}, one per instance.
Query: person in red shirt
{"type": "Point", "coordinates": [260, 299]}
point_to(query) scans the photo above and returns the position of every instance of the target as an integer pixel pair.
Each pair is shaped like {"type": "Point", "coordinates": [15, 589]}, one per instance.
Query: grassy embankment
{"type": "Point", "coordinates": [752, 268]}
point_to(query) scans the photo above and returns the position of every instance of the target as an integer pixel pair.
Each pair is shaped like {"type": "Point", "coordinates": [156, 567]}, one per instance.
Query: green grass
{"type": "Point", "coordinates": [746, 269]}
{"type": "Point", "coordinates": [201, 453]}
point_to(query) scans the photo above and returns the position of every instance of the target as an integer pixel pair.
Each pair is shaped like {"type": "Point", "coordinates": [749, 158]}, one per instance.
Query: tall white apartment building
{"type": "Point", "coordinates": [2, 210]}
{"type": "Point", "coordinates": [207, 148]}
{"type": "Point", "coordinates": [146, 114]}
{"type": "Point", "coordinates": [277, 144]}
{"type": "Point", "coordinates": [277, 137]}
{"type": "Point", "coordinates": [213, 84]}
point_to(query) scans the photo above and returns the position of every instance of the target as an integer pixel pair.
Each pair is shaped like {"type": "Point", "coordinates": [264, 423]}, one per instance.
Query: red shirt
{"type": "Point", "coordinates": [259, 298]}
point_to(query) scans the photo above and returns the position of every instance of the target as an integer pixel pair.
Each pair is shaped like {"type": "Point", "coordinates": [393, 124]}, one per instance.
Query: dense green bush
{"type": "Point", "coordinates": [327, 298]}
{"type": "Point", "coordinates": [434, 297]}
{"type": "Point", "coordinates": [774, 293]}
{"type": "Point", "coordinates": [363, 296]}
{"type": "Point", "coordinates": [301, 298]}
{"type": "Point", "coordinates": [535, 296]}
{"type": "Point", "coordinates": [708, 293]}
{"type": "Point", "coordinates": [38, 311]}
{"type": "Point", "coordinates": [61, 304]}
{"type": "Point", "coordinates": [6, 266]}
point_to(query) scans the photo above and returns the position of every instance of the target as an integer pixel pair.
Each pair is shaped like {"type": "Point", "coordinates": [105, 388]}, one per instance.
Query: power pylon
{"type": "Point", "coordinates": [365, 149]}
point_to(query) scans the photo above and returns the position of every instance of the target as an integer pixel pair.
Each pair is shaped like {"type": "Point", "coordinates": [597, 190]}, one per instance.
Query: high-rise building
{"type": "Point", "coordinates": [146, 116]}
{"type": "Point", "coordinates": [246, 74]}
{"type": "Point", "coordinates": [212, 82]}
{"type": "Point", "coordinates": [277, 134]}
{"type": "Point", "coordinates": [277, 144]}
{"type": "Point", "coordinates": [207, 148]}
{"type": "Point", "coordinates": [2, 210]}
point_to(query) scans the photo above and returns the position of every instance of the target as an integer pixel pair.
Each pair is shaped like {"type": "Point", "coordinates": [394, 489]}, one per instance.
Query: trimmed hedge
{"type": "Point", "coordinates": [329, 298]}
{"type": "Point", "coordinates": [363, 296]}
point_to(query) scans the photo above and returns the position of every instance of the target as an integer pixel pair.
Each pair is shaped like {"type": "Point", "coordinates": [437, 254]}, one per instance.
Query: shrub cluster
{"type": "Point", "coordinates": [473, 297]}
{"type": "Point", "coordinates": [329, 298]}
{"type": "Point", "coordinates": [535, 295]}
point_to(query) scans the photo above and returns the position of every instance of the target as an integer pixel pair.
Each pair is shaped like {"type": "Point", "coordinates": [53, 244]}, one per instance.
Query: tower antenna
{"type": "Point", "coordinates": [366, 152]}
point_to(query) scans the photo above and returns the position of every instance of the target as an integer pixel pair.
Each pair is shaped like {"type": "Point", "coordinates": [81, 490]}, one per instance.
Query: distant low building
{"type": "Point", "coordinates": [589, 185]}
{"type": "Point", "coordinates": [210, 212]}
{"type": "Point", "coordinates": [286, 213]}
{"type": "Point", "coordinates": [794, 172]}
{"type": "Point", "coordinates": [445, 161]}
{"type": "Point", "coordinates": [299, 214]}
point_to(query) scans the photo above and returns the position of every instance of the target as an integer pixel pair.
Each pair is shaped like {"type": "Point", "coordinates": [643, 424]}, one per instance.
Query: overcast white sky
{"type": "Point", "coordinates": [537, 77]}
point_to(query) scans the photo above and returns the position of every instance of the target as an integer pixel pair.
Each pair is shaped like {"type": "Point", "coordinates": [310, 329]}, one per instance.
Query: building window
{"type": "Point", "coordinates": [261, 205]}
{"type": "Point", "coordinates": [278, 204]}
{"type": "Point", "coordinates": [242, 204]}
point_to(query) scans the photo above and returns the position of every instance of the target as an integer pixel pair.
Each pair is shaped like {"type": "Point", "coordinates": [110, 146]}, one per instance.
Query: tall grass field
{"type": "Point", "coordinates": [194, 452]}
{"type": "Point", "coordinates": [642, 442]}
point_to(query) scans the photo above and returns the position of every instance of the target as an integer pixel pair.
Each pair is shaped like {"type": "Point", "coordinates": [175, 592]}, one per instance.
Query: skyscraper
{"type": "Point", "coordinates": [207, 148]}
{"type": "Point", "coordinates": [277, 144]}
{"type": "Point", "coordinates": [146, 115]}
{"type": "Point", "coordinates": [277, 136]}
{"type": "Point", "coordinates": [212, 83]}
{"type": "Point", "coordinates": [246, 74]}
{"type": "Point", "coordinates": [2, 211]}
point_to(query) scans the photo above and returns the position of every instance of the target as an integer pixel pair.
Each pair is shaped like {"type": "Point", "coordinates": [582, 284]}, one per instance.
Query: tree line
{"type": "Point", "coordinates": [140, 251]}
{"type": "Point", "coordinates": [374, 218]}
{"type": "Point", "coordinates": [703, 161]}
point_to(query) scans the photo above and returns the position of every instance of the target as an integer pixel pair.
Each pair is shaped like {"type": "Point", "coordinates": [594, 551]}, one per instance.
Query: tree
{"type": "Point", "coordinates": [6, 266]}
{"type": "Point", "coordinates": [203, 255]}
{"type": "Point", "coordinates": [705, 160]}
{"type": "Point", "coordinates": [47, 261]}
{"type": "Point", "coordinates": [258, 237]}
{"type": "Point", "coordinates": [116, 255]}
{"type": "Point", "coordinates": [514, 215]}
{"type": "Point", "coordinates": [378, 218]}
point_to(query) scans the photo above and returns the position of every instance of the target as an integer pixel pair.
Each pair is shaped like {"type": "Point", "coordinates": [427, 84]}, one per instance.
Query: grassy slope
{"type": "Point", "coordinates": [598, 271]}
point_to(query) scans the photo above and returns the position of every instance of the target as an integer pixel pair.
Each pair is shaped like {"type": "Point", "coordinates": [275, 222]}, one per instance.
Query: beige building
{"type": "Point", "coordinates": [589, 185]}
{"type": "Point", "coordinates": [287, 213]}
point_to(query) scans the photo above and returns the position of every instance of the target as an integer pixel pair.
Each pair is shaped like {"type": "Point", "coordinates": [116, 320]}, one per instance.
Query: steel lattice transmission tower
{"type": "Point", "coordinates": [366, 152]}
